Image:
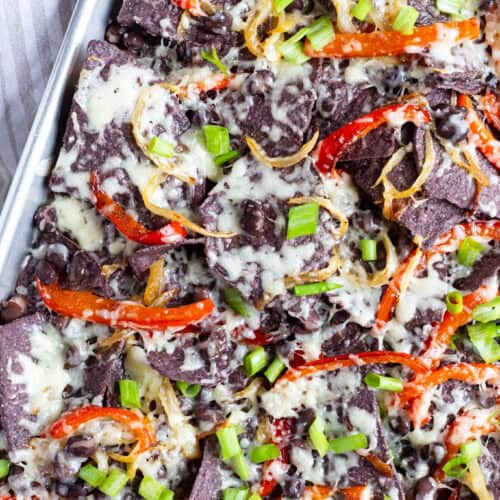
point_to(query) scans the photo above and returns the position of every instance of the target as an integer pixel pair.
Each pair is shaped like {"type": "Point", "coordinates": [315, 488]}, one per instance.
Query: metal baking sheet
{"type": "Point", "coordinates": [28, 189]}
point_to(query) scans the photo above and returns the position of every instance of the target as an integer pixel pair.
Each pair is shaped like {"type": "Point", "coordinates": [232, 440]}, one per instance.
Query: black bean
{"type": "Point", "coordinates": [13, 308]}
{"type": "Point", "coordinates": [294, 484]}
{"type": "Point", "coordinates": [253, 218]}
{"type": "Point", "coordinates": [73, 357]}
{"type": "Point", "coordinates": [114, 34]}
{"type": "Point", "coordinates": [134, 41]}
{"type": "Point", "coordinates": [81, 445]}
{"type": "Point", "coordinates": [45, 272]}
{"type": "Point", "coordinates": [450, 122]}
{"type": "Point", "coordinates": [76, 490]}
{"type": "Point", "coordinates": [65, 468]}
{"type": "Point", "coordinates": [426, 489]}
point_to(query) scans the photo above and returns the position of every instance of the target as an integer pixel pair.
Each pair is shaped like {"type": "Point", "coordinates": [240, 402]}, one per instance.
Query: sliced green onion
{"type": "Point", "coordinates": [216, 139]}
{"type": "Point", "coordinates": [302, 220]}
{"type": "Point", "coordinates": [255, 361]}
{"type": "Point", "coordinates": [92, 475]}
{"type": "Point", "coordinates": [281, 5]}
{"type": "Point", "coordinates": [240, 466]}
{"type": "Point", "coordinates": [229, 444]}
{"type": "Point", "coordinates": [468, 251]}
{"type": "Point", "coordinates": [349, 443]}
{"type": "Point", "coordinates": [129, 393]}
{"type": "Point", "coordinates": [226, 157]}
{"type": "Point", "coordinates": [376, 381]}
{"type": "Point", "coordinates": [293, 52]}
{"type": "Point", "coordinates": [450, 6]}
{"type": "Point", "coordinates": [471, 450]}
{"type": "Point", "coordinates": [232, 297]}
{"type": "Point", "coordinates": [485, 313]}
{"type": "Point", "coordinates": [114, 482]}
{"type": "Point", "coordinates": [405, 20]}
{"type": "Point", "coordinates": [368, 249]}
{"type": "Point", "coordinates": [151, 489]}
{"type": "Point", "coordinates": [320, 32]}
{"type": "Point", "coordinates": [255, 496]}
{"type": "Point", "coordinates": [160, 147]}
{"type": "Point", "coordinates": [264, 453]}
{"type": "Point", "coordinates": [387, 497]}
{"type": "Point", "coordinates": [454, 302]}
{"type": "Point", "coordinates": [315, 288]}
{"type": "Point", "coordinates": [4, 468]}
{"type": "Point", "coordinates": [274, 370]}
{"type": "Point", "coordinates": [361, 9]}
{"type": "Point", "coordinates": [187, 389]}
{"type": "Point", "coordinates": [483, 337]}
{"type": "Point", "coordinates": [317, 436]}
{"type": "Point", "coordinates": [456, 467]}
{"type": "Point", "coordinates": [213, 57]}
{"type": "Point", "coordinates": [235, 494]}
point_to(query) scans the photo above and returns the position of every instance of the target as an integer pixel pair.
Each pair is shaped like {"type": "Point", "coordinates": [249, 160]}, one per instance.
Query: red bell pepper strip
{"type": "Point", "coordinates": [120, 314]}
{"type": "Point", "coordinates": [393, 43]}
{"type": "Point", "coordinates": [418, 392]}
{"type": "Point", "coordinates": [491, 109]}
{"type": "Point", "coordinates": [479, 134]}
{"type": "Point", "coordinates": [137, 423]}
{"type": "Point", "coordinates": [333, 146]}
{"type": "Point", "coordinates": [317, 492]}
{"type": "Point", "coordinates": [127, 225]}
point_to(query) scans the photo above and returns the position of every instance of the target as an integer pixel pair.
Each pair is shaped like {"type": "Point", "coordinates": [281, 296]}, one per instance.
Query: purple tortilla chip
{"type": "Point", "coordinates": [485, 268]}
{"type": "Point", "coordinates": [208, 481]}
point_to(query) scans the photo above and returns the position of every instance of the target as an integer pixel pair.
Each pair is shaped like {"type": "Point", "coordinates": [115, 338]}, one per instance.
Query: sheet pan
{"type": "Point", "coordinates": [28, 189]}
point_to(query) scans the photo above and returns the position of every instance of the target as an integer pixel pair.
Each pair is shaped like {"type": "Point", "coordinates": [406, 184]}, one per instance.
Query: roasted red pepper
{"type": "Point", "coordinates": [491, 109]}
{"type": "Point", "coordinates": [479, 134]}
{"type": "Point", "coordinates": [393, 43]}
{"type": "Point", "coordinates": [120, 314]}
{"type": "Point", "coordinates": [333, 146]}
{"type": "Point", "coordinates": [325, 492]}
{"type": "Point", "coordinates": [127, 225]}
{"type": "Point", "coordinates": [137, 423]}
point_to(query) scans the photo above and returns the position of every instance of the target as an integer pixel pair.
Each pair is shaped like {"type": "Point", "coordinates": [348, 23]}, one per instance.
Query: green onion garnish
{"type": "Point", "coordinates": [160, 147]}
{"type": "Point", "coordinates": [376, 381]}
{"type": "Point", "coordinates": [255, 496]}
{"type": "Point", "coordinates": [281, 5]}
{"type": "Point", "coordinates": [368, 250]}
{"type": "Point", "coordinates": [232, 297]}
{"type": "Point", "coordinates": [187, 389]}
{"type": "Point", "coordinates": [229, 444]}
{"type": "Point", "coordinates": [274, 370]}
{"type": "Point", "coordinates": [92, 475]}
{"type": "Point", "coordinates": [227, 157]}
{"type": "Point", "coordinates": [361, 9]}
{"type": "Point", "coordinates": [114, 482]}
{"type": "Point", "coordinates": [240, 466]}
{"type": "Point", "coordinates": [471, 450]}
{"type": "Point", "coordinates": [456, 467]}
{"type": "Point", "coordinates": [405, 20]}
{"type": "Point", "coordinates": [315, 288]}
{"type": "Point", "coordinates": [349, 443]}
{"type": "Point", "coordinates": [213, 57]}
{"type": "Point", "coordinates": [483, 336]}
{"type": "Point", "coordinates": [293, 49]}
{"type": "Point", "coordinates": [235, 494]}
{"type": "Point", "coordinates": [151, 489]}
{"type": "Point", "coordinates": [4, 468]}
{"type": "Point", "coordinates": [255, 361]}
{"type": "Point", "coordinates": [302, 220]}
{"type": "Point", "coordinates": [454, 302]}
{"type": "Point", "coordinates": [320, 32]}
{"type": "Point", "coordinates": [129, 393]}
{"type": "Point", "coordinates": [468, 251]}
{"type": "Point", "coordinates": [450, 6]}
{"type": "Point", "coordinates": [317, 436]}
{"type": "Point", "coordinates": [216, 139]}
{"type": "Point", "coordinates": [264, 453]}
{"type": "Point", "coordinates": [485, 313]}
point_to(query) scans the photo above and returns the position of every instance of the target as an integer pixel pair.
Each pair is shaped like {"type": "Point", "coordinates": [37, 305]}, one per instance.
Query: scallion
{"type": "Point", "coordinates": [114, 482]}
{"type": "Point", "coordinates": [187, 389]}
{"type": "Point", "coordinates": [468, 251]}
{"type": "Point", "coordinates": [376, 381]}
{"type": "Point", "coordinates": [4, 468]}
{"type": "Point", "coordinates": [348, 443]}
{"type": "Point", "coordinates": [129, 393]}
{"type": "Point", "coordinates": [255, 361]}
{"type": "Point", "coordinates": [235, 494]}
{"type": "Point", "coordinates": [255, 496]}
{"type": "Point", "coordinates": [405, 20]}
{"type": "Point", "coordinates": [213, 57]}
{"type": "Point", "coordinates": [232, 297]}
{"type": "Point", "coordinates": [228, 441]}
{"type": "Point", "coordinates": [281, 5]}
{"type": "Point", "coordinates": [264, 453]}
{"type": "Point", "coordinates": [368, 250]}
{"type": "Point", "coordinates": [216, 139]}
{"type": "Point", "coordinates": [302, 220]}
{"type": "Point", "coordinates": [315, 288]}
{"type": "Point", "coordinates": [317, 436]}
{"type": "Point", "coordinates": [240, 466]}
{"type": "Point", "coordinates": [151, 489]}
{"type": "Point", "coordinates": [450, 6]}
{"type": "Point", "coordinates": [320, 32]}
{"type": "Point", "coordinates": [454, 302]}
{"type": "Point", "coordinates": [484, 338]}
{"type": "Point", "coordinates": [227, 157]}
{"type": "Point", "coordinates": [361, 9]}
{"type": "Point", "coordinates": [293, 52]}
{"type": "Point", "coordinates": [92, 475]}
{"type": "Point", "coordinates": [471, 450]}
{"type": "Point", "coordinates": [160, 147]}
{"type": "Point", "coordinates": [485, 313]}
{"type": "Point", "coordinates": [456, 467]}
{"type": "Point", "coordinates": [273, 371]}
